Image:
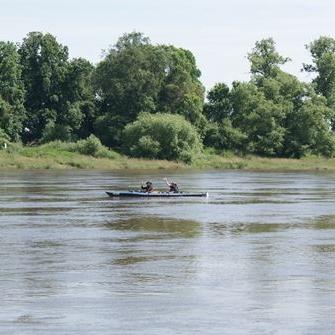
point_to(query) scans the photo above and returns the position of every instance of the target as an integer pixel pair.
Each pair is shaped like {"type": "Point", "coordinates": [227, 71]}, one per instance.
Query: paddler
{"type": "Point", "coordinates": [147, 187]}
{"type": "Point", "coordinates": [173, 187]}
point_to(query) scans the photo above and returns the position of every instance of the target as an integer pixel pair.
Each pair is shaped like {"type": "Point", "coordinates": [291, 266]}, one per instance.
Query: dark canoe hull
{"type": "Point", "coordinates": [155, 194]}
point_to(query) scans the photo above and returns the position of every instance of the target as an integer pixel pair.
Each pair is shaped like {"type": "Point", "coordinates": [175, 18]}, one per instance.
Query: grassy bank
{"type": "Point", "coordinates": [312, 163]}
{"type": "Point", "coordinates": [67, 156]}
{"type": "Point", "coordinates": [48, 157]}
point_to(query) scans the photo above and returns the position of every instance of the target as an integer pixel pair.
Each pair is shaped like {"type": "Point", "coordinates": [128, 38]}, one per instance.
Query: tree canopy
{"type": "Point", "coordinates": [323, 64]}
{"type": "Point", "coordinates": [147, 100]}
{"type": "Point", "coordinates": [12, 92]}
{"type": "Point", "coordinates": [274, 114]}
{"type": "Point", "coordinates": [59, 91]}
{"type": "Point", "coordinates": [136, 76]}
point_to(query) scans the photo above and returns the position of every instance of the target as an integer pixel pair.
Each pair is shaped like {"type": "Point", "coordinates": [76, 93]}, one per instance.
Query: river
{"type": "Point", "coordinates": [256, 257]}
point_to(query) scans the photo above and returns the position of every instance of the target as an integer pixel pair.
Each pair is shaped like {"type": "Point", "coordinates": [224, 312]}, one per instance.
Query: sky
{"type": "Point", "coordinates": [219, 33]}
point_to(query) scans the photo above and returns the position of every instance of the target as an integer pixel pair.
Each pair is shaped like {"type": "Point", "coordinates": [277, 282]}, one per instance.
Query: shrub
{"type": "Point", "coordinates": [162, 136]}
{"type": "Point", "coordinates": [232, 138]}
{"type": "Point", "coordinates": [54, 131]}
{"type": "Point", "coordinates": [147, 147]}
{"type": "Point", "coordinates": [108, 129]}
{"type": "Point", "coordinates": [224, 136]}
{"type": "Point", "coordinates": [90, 146]}
{"type": "Point", "coordinates": [4, 138]}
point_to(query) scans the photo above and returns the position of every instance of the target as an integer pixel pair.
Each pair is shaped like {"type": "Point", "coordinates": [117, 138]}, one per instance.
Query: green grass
{"type": "Point", "coordinates": [58, 155]}
{"type": "Point", "coordinates": [229, 161]}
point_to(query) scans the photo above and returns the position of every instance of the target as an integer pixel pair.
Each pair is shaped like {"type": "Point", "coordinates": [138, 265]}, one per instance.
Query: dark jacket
{"type": "Point", "coordinates": [148, 187]}
{"type": "Point", "coordinates": [174, 188]}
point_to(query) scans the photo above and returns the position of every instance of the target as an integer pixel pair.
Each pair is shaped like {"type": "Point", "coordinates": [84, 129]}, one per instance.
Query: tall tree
{"type": "Point", "coordinates": [44, 63]}
{"type": "Point", "coordinates": [218, 106]}
{"type": "Point", "coordinates": [181, 91]}
{"type": "Point", "coordinates": [323, 58]}
{"type": "Point", "coordinates": [274, 114]}
{"type": "Point", "coordinates": [136, 76]}
{"type": "Point", "coordinates": [308, 129]}
{"type": "Point", "coordinates": [80, 97]}
{"type": "Point", "coordinates": [127, 82]}
{"type": "Point", "coordinates": [12, 112]}
{"type": "Point", "coordinates": [261, 119]}
{"type": "Point", "coordinates": [264, 59]}
{"type": "Point", "coordinates": [60, 99]}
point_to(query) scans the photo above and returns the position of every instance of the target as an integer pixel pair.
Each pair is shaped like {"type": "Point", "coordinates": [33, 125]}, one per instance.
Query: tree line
{"type": "Point", "coordinates": [148, 101]}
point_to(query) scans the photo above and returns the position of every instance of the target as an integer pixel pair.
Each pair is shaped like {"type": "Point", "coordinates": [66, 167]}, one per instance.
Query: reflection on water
{"type": "Point", "coordinates": [151, 228]}
{"type": "Point", "coordinates": [324, 222]}
{"type": "Point", "coordinates": [256, 257]}
{"type": "Point", "coordinates": [251, 228]}
{"type": "Point", "coordinates": [161, 227]}
{"type": "Point", "coordinates": [325, 248]}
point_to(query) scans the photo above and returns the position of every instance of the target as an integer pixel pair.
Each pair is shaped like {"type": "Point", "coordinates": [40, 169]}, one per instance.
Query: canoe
{"type": "Point", "coordinates": [155, 194]}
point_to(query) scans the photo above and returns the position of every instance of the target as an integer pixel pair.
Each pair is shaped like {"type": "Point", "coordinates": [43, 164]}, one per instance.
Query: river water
{"type": "Point", "coordinates": [256, 257]}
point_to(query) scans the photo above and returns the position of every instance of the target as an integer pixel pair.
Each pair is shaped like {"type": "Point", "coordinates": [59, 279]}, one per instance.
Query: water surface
{"type": "Point", "coordinates": [256, 257]}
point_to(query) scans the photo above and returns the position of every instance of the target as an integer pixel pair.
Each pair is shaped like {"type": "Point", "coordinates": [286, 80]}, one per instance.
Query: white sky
{"type": "Point", "coordinates": [219, 33]}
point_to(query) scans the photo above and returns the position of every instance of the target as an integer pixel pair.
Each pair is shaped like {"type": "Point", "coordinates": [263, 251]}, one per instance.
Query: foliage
{"type": "Point", "coordinates": [90, 146]}
{"type": "Point", "coordinates": [58, 91]}
{"type": "Point", "coordinates": [53, 131]}
{"type": "Point", "coordinates": [181, 91]}
{"type": "Point", "coordinates": [163, 136]}
{"type": "Point", "coordinates": [148, 99]}
{"type": "Point", "coordinates": [264, 58]}
{"type": "Point", "coordinates": [248, 122]}
{"type": "Point", "coordinates": [127, 82]}
{"type": "Point", "coordinates": [109, 129]}
{"type": "Point", "coordinates": [225, 136]}
{"type": "Point", "coordinates": [4, 138]}
{"type": "Point", "coordinates": [274, 114]}
{"type": "Point", "coordinates": [323, 56]}
{"type": "Point", "coordinates": [308, 130]}
{"type": "Point", "coordinates": [80, 109]}
{"type": "Point", "coordinates": [44, 68]}
{"type": "Point", "coordinates": [136, 76]}
{"type": "Point", "coordinates": [218, 106]}
{"type": "Point", "coordinates": [12, 92]}
{"type": "Point", "coordinates": [259, 118]}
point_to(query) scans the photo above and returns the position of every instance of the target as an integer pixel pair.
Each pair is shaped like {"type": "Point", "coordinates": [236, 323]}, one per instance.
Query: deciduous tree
{"type": "Point", "coordinates": [12, 92]}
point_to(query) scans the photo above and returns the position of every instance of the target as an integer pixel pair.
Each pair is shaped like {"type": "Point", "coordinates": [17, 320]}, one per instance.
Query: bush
{"type": "Point", "coordinates": [90, 146]}
{"type": "Point", "coordinates": [162, 136]}
{"type": "Point", "coordinates": [147, 147]}
{"type": "Point", "coordinates": [108, 129]}
{"type": "Point", "coordinates": [54, 131]}
{"type": "Point", "coordinates": [309, 131]}
{"type": "Point", "coordinates": [4, 138]}
{"type": "Point", "coordinates": [224, 136]}
{"type": "Point", "coordinates": [231, 137]}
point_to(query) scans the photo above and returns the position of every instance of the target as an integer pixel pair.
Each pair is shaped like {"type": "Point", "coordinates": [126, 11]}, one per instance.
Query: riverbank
{"type": "Point", "coordinates": [58, 157]}
{"type": "Point", "coordinates": [250, 162]}
{"type": "Point", "coordinates": [45, 157]}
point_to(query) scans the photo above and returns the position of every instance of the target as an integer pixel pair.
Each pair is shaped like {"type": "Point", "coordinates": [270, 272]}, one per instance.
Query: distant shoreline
{"type": "Point", "coordinates": [42, 158]}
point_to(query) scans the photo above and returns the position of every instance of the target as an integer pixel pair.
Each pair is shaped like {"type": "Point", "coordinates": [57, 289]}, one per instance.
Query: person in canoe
{"type": "Point", "coordinates": [173, 187]}
{"type": "Point", "coordinates": [148, 187]}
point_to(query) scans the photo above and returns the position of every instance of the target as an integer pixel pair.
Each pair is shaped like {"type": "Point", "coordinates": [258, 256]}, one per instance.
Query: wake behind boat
{"type": "Point", "coordinates": [156, 194]}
